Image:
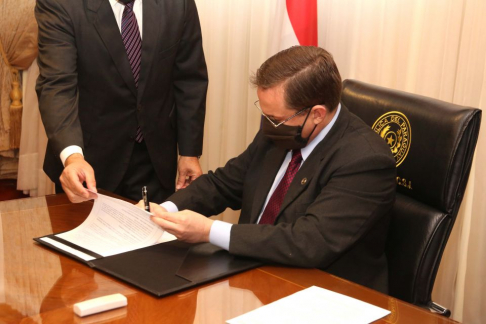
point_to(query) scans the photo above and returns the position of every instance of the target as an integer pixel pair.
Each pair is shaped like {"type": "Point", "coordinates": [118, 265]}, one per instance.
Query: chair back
{"type": "Point", "coordinates": [433, 143]}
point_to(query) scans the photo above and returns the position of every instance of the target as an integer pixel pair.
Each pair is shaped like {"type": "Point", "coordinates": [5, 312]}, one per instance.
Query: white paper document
{"type": "Point", "coordinates": [313, 305]}
{"type": "Point", "coordinates": [115, 226]}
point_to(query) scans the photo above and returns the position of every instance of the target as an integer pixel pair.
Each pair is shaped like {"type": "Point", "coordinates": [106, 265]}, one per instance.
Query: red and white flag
{"type": "Point", "coordinates": [298, 24]}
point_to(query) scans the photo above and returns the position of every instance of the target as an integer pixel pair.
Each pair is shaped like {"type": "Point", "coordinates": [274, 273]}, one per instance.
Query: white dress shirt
{"type": "Point", "coordinates": [118, 8]}
{"type": "Point", "coordinates": [220, 231]}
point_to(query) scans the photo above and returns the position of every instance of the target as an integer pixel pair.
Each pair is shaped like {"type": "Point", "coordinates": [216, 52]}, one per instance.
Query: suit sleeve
{"type": "Point", "coordinates": [355, 198]}
{"type": "Point", "coordinates": [57, 83]}
{"type": "Point", "coordinates": [212, 193]}
{"type": "Point", "coordinates": [190, 85]}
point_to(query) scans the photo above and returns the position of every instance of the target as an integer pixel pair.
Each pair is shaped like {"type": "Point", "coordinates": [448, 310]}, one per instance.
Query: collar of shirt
{"type": "Point", "coordinates": [307, 150]}
{"type": "Point", "coordinates": [118, 8]}
{"type": "Point", "coordinates": [114, 2]}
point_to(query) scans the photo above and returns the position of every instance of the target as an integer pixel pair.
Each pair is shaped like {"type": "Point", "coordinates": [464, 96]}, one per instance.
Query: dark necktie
{"type": "Point", "coordinates": [273, 206]}
{"type": "Point", "coordinates": [133, 45]}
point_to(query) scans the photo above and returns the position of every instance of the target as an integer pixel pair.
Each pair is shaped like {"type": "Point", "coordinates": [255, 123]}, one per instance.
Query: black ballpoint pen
{"type": "Point", "coordinates": [145, 199]}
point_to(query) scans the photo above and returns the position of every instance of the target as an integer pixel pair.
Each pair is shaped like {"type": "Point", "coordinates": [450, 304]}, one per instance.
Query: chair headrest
{"type": "Point", "coordinates": [433, 141]}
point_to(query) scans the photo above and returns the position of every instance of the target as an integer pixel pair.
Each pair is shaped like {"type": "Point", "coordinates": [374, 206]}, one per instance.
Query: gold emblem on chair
{"type": "Point", "coordinates": [394, 128]}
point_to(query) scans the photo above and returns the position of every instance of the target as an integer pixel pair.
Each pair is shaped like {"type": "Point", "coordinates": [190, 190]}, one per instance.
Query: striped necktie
{"type": "Point", "coordinates": [133, 45]}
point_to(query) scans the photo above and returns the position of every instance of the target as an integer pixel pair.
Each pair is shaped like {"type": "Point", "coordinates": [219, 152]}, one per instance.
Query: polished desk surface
{"type": "Point", "coordinates": [38, 285]}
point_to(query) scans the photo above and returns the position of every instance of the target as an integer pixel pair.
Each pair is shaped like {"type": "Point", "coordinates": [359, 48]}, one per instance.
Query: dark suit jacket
{"type": "Point", "coordinates": [87, 94]}
{"type": "Point", "coordinates": [336, 219]}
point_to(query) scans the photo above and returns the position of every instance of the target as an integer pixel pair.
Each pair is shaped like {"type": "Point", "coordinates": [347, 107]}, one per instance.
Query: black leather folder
{"type": "Point", "coordinates": [164, 268]}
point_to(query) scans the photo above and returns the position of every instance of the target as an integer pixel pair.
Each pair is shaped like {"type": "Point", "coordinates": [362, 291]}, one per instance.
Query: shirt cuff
{"type": "Point", "coordinates": [72, 149]}
{"type": "Point", "coordinates": [169, 206]}
{"type": "Point", "coordinates": [220, 233]}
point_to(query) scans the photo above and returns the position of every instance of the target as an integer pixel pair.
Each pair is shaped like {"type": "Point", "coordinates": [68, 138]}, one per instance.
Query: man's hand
{"type": "Point", "coordinates": [76, 171]}
{"type": "Point", "coordinates": [153, 206]}
{"type": "Point", "coordinates": [187, 226]}
{"type": "Point", "coordinates": [189, 170]}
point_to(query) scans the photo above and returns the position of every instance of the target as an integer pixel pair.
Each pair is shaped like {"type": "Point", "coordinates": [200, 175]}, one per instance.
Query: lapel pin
{"type": "Point", "coordinates": [303, 181]}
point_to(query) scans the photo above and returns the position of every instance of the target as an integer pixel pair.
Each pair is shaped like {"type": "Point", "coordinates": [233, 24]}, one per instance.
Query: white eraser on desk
{"type": "Point", "coordinates": [99, 304]}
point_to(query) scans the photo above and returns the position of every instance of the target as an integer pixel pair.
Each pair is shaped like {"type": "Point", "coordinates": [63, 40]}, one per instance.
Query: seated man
{"type": "Point", "coordinates": [315, 187]}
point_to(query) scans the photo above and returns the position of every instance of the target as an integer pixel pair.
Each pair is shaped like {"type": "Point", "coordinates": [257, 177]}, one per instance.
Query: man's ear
{"type": "Point", "coordinates": [319, 113]}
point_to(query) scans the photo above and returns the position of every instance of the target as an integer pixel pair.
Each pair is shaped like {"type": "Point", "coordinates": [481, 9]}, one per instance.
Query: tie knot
{"type": "Point", "coordinates": [128, 3]}
{"type": "Point", "coordinates": [296, 156]}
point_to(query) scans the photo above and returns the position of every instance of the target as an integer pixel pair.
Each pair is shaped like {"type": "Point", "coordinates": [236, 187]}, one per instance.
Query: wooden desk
{"type": "Point", "coordinates": [38, 285]}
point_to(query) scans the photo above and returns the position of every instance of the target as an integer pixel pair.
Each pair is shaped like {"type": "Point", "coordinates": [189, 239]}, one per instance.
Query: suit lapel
{"type": "Point", "coordinates": [105, 23]}
{"type": "Point", "coordinates": [309, 169]}
{"type": "Point", "coordinates": [271, 164]}
{"type": "Point", "coordinates": [151, 15]}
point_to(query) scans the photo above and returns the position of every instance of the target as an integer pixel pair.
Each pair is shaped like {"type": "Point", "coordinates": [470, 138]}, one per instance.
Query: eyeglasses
{"type": "Point", "coordinates": [283, 122]}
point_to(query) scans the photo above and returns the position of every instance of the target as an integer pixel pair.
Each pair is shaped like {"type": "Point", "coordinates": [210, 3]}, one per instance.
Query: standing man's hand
{"type": "Point", "coordinates": [76, 171]}
{"type": "Point", "coordinates": [189, 170]}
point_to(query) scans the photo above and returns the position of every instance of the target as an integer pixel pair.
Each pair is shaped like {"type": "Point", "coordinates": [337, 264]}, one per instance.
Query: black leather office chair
{"type": "Point", "coordinates": [433, 143]}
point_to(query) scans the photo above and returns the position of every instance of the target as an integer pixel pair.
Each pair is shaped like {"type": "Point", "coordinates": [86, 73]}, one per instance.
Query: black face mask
{"type": "Point", "coordinates": [287, 137]}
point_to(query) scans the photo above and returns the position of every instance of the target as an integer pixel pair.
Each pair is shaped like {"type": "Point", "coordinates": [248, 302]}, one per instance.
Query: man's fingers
{"type": "Point", "coordinates": [90, 179]}
{"type": "Point", "coordinates": [196, 173]}
{"type": "Point", "coordinates": [68, 188]}
{"type": "Point", "coordinates": [186, 225]}
{"type": "Point", "coordinates": [189, 170]}
{"type": "Point", "coordinates": [157, 209]}
{"type": "Point", "coordinates": [75, 184]}
{"type": "Point", "coordinates": [92, 195]}
{"type": "Point", "coordinates": [73, 197]}
{"type": "Point", "coordinates": [167, 225]}
{"type": "Point", "coordinates": [140, 204]}
{"type": "Point", "coordinates": [181, 184]}
{"type": "Point", "coordinates": [192, 178]}
{"type": "Point", "coordinates": [184, 182]}
{"type": "Point", "coordinates": [72, 185]}
{"type": "Point", "coordinates": [170, 217]}
{"type": "Point", "coordinates": [76, 172]}
{"type": "Point", "coordinates": [181, 180]}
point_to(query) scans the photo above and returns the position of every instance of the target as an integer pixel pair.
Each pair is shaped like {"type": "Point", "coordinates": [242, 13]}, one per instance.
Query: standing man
{"type": "Point", "coordinates": [122, 88]}
{"type": "Point", "coordinates": [315, 187]}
